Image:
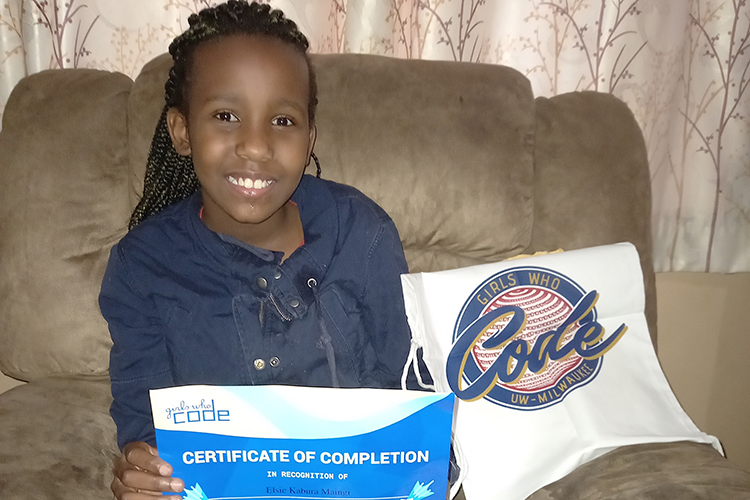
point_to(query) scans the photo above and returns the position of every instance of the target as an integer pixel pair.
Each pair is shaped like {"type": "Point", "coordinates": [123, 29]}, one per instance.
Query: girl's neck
{"type": "Point", "coordinates": [282, 234]}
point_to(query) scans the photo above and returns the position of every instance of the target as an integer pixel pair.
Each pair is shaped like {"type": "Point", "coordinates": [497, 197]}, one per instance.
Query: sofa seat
{"type": "Point", "coordinates": [682, 471]}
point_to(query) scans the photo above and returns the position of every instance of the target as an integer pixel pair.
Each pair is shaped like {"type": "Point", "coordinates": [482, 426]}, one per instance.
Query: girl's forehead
{"type": "Point", "coordinates": [252, 49]}
{"type": "Point", "coordinates": [249, 62]}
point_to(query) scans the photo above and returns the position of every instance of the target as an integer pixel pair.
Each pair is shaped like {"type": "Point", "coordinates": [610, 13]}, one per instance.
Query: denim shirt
{"type": "Point", "coordinates": [186, 305]}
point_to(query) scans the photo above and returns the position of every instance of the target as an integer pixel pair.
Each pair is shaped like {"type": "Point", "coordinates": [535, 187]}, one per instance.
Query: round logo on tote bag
{"type": "Point", "coordinates": [526, 338]}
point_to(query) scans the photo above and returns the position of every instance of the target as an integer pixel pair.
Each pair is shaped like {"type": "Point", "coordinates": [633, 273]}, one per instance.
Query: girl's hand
{"type": "Point", "coordinates": [141, 474]}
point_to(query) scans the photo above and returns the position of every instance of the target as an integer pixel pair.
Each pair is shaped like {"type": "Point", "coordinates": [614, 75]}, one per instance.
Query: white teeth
{"type": "Point", "coordinates": [249, 183]}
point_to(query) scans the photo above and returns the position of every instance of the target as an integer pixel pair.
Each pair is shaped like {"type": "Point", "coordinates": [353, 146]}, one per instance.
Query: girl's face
{"type": "Point", "coordinates": [248, 132]}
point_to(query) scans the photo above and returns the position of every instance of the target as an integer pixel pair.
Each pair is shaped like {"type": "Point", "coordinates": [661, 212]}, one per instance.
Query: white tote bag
{"type": "Point", "coordinates": [552, 363]}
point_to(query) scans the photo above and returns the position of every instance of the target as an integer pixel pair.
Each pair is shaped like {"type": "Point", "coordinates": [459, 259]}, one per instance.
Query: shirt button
{"type": "Point", "coordinates": [277, 275]}
{"type": "Point", "coordinates": [262, 283]}
{"type": "Point", "coordinates": [274, 361]}
{"type": "Point", "coordinates": [294, 303]}
{"type": "Point", "coordinates": [259, 364]}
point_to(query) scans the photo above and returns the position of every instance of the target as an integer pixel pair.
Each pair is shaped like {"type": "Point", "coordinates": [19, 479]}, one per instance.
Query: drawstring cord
{"type": "Point", "coordinates": [458, 465]}
{"type": "Point", "coordinates": [325, 337]}
{"type": "Point", "coordinates": [412, 361]}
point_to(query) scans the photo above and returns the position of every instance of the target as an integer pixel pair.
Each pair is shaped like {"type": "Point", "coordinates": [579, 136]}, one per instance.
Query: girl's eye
{"type": "Point", "coordinates": [226, 116]}
{"type": "Point", "coordinates": [282, 121]}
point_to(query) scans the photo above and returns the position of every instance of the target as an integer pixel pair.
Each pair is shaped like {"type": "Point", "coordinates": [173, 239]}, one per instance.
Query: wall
{"type": "Point", "coordinates": [704, 347]}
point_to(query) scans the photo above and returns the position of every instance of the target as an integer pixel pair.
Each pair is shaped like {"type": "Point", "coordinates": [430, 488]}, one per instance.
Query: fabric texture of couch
{"type": "Point", "coordinates": [469, 164]}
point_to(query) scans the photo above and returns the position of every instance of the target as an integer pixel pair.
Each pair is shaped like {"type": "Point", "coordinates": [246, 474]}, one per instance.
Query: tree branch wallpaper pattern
{"type": "Point", "coordinates": [682, 66]}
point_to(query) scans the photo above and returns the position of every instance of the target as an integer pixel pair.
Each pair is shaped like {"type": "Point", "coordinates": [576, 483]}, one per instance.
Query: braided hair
{"type": "Point", "coordinates": [171, 177]}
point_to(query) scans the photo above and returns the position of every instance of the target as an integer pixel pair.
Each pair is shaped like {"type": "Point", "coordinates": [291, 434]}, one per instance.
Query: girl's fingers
{"type": "Point", "coordinates": [139, 473]}
{"type": "Point", "coordinates": [145, 457]}
{"type": "Point", "coordinates": [147, 481]}
{"type": "Point", "coordinates": [123, 492]}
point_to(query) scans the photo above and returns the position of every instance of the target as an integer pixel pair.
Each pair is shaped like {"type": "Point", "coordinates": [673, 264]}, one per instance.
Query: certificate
{"type": "Point", "coordinates": [283, 442]}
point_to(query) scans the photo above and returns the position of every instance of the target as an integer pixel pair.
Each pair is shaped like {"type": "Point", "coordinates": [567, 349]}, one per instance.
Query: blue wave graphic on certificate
{"type": "Point", "coordinates": [420, 491]}
{"type": "Point", "coordinates": [278, 410]}
{"type": "Point", "coordinates": [285, 417]}
{"type": "Point", "coordinates": [196, 493]}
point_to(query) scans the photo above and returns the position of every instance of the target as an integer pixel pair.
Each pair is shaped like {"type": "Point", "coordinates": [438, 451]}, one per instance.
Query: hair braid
{"type": "Point", "coordinates": [170, 177]}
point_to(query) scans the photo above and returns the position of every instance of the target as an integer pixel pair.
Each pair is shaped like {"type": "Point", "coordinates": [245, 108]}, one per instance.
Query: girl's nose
{"type": "Point", "coordinates": [253, 143]}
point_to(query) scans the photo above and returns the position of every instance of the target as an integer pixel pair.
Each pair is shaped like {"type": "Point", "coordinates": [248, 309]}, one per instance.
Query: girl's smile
{"type": "Point", "coordinates": [246, 126]}
{"type": "Point", "coordinates": [249, 184]}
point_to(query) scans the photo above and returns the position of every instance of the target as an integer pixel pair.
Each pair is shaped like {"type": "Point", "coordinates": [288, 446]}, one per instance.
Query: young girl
{"type": "Point", "coordinates": [239, 269]}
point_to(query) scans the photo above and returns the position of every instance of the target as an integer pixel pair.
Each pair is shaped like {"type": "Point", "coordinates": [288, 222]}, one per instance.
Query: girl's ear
{"type": "Point", "coordinates": [178, 131]}
{"type": "Point", "coordinates": [311, 142]}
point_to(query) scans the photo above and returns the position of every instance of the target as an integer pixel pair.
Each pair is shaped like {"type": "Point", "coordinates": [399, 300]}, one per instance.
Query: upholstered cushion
{"type": "Point", "coordinates": [58, 440]}
{"type": "Point", "coordinates": [63, 204]}
{"type": "Point", "coordinates": [445, 148]}
{"type": "Point", "coordinates": [659, 471]}
{"type": "Point", "coordinates": [592, 183]}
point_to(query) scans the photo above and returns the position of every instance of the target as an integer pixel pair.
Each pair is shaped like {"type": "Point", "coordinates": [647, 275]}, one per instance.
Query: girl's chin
{"type": "Point", "coordinates": [266, 215]}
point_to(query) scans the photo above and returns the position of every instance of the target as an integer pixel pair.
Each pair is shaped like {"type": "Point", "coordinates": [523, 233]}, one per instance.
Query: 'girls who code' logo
{"type": "Point", "coordinates": [526, 338]}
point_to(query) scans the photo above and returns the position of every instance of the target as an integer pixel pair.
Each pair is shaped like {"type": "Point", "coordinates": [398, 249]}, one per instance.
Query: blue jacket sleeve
{"type": "Point", "coordinates": [383, 311]}
{"type": "Point", "coordinates": [138, 359]}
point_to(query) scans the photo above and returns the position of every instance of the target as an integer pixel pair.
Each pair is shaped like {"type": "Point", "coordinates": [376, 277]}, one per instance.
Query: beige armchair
{"type": "Point", "coordinates": [471, 167]}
